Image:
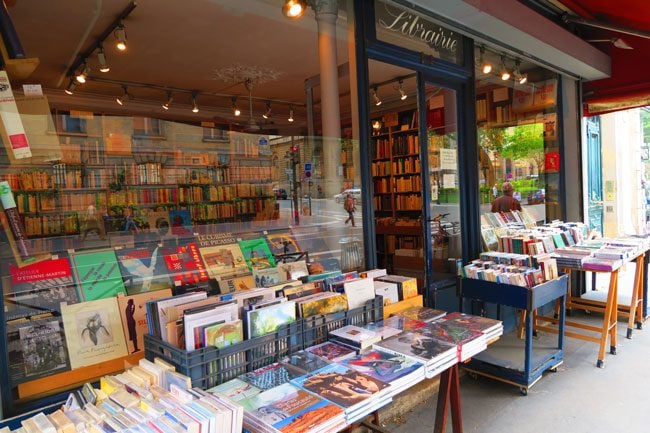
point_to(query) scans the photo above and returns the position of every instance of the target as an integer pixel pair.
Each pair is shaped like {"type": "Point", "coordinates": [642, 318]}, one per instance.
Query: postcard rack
{"type": "Point", "coordinates": [496, 362]}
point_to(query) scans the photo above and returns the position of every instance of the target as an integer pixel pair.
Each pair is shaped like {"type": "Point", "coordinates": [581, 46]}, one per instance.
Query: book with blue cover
{"type": "Point", "coordinates": [269, 377]}
{"type": "Point", "coordinates": [383, 366]}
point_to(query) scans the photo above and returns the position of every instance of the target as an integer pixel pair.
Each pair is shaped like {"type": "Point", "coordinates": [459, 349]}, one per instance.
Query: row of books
{"type": "Point", "coordinates": [381, 168]}
{"type": "Point", "coordinates": [511, 218]}
{"type": "Point", "coordinates": [240, 173]}
{"type": "Point", "coordinates": [29, 203]}
{"type": "Point", "coordinates": [67, 177]}
{"type": "Point", "coordinates": [30, 180]}
{"type": "Point", "coordinates": [515, 269]}
{"type": "Point", "coordinates": [408, 202]}
{"type": "Point", "coordinates": [52, 225]}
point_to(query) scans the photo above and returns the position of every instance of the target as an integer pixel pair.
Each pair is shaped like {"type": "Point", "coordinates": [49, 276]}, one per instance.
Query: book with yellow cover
{"type": "Point", "coordinates": [224, 334]}
{"type": "Point", "coordinates": [324, 305]}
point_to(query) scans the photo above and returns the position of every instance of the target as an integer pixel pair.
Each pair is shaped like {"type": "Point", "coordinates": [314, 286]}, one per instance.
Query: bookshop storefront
{"type": "Point", "coordinates": [146, 154]}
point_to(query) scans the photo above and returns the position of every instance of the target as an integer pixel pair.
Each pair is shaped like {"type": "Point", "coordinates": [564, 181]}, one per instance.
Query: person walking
{"type": "Point", "coordinates": [506, 202]}
{"type": "Point", "coordinates": [348, 205]}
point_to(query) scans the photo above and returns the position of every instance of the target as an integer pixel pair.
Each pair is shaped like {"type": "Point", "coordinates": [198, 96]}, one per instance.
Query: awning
{"type": "Point", "coordinates": [622, 27]}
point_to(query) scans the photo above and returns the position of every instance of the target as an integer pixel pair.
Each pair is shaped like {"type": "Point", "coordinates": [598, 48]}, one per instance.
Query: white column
{"type": "Point", "coordinates": [326, 15]}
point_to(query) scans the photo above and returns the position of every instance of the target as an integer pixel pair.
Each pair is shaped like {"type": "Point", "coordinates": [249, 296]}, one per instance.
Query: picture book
{"type": "Point", "coordinates": [215, 238]}
{"type": "Point", "coordinates": [181, 222]}
{"type": "Point", "coordinates": [269, 377]}
{"type": "Point", "coordinates": [143, 269]}
{"type": "Point", "coordinates": [450, 332]}
{"type": "Point", "coordinates": [403, 323]}
{"type": "Point", "coordinates": [40, 288]}
{"type": "Point", "coordinates": [422, 348]}
{"type": "Point", "coordinates": [303, 362]}
{"type": "Point", "coordinates": [282, 242]}
{"type": "Point", "coordinates": [355, 336]}
{"type": "Point", "coordinates": [266, 277]}
{"type": "Point", "coordinates": [359, 292]}
{"type": "Point", "coordinates": [423, 314]}
{"type": "Point", "coordinates": [194, 320]}
{"type": "Point", "coordinates": [266, 320]}
{"type": "Point", "coordinates": [223, 259]}
{"type": "Point", "coordinates": [257, 253]}
{"type": "Point", "coordinates": [159, 223]}
{"type": "Point", "coordinates": [325, 305]}
{"type": "Point", "coordinates": [294, 270]}
{"type": "Point", "coordinates": [41, 349]}
{"type": "Point", "coordinates": [289, 409]}
{"type": "Point", "coordinates": [331, 351]}
{"type": "Point", "coordinates": [381, 329]}
{"type": "Point", "coordinates": [97, 274]}
{"type": "Point", "coordinates": [474, 323]}
{"type": "Point", "coordinates": [184, 264]}
{"type": "Point", "coordinates": [244, 281]}
{"type": "Point", "coordinates": [382, 366]}
{"type": "Point", "coordinates": [388, 291]}
{"type": "Point", "coordinates": [235, 389]}
{"type": "Point", "coordinates": [93, 332]}
{"type": "Point", "coordinates": [407, 286]}
{"type": "Point", "coordinates": [340, 385]}
{"type": "Point", "coordinates": [224, 334]}
{"type": "Point", "coordinates": [134, 316]}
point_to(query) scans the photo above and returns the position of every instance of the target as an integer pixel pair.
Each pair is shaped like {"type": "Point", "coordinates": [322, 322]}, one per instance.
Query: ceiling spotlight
{"type": "Point", "coordinates": [120, 35]}
{"type": "Point", "coordinates": [487, 68]}
{"type": "Point", "coordinates": [375, 97]}
{"type": "Point", "coordinates": [294, 8]}
{"type": "Point", "coordinates": [267, 114]}
{"type": "Point", "coordinates": [125, 97]}
{"type": "Point", "coordinates": [290, 119]}
{"type": "Point", "coordinates": [167, 103]}
{"type": "Point", "coordinates": [101, 57]}
{"type": "Point", "coordinates": [376, 125]}
{"type": "Point", "coordinates": [402, 93]}
{"type": "Point", "coordinates": [235, 110]}
{"type": "Point", "coordinates": [82, 76]}
{"type": "Point", "coordinates": [521, 78]}
{"type": "Point", "coordinates": [195, 106]}
{"type": "Point", "coordinates": [71, 86]}
{"type": "Point", "coordinates": [505, 75]}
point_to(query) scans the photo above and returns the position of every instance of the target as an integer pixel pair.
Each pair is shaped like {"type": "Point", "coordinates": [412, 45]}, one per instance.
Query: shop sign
{"type": "Point", "coordinates": [400, 26]}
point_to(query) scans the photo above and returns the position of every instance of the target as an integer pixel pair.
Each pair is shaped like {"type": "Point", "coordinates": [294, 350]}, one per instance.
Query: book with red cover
{"type": "Point", "coordinates": [184, 264]}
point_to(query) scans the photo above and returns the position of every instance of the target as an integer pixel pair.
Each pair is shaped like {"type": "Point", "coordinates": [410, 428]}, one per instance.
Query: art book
{"type": "Point", "coordinates": [340, 385]}
{"type": "Point", "coordinates": [270, 376]}
{"type": "Point", "coordinates": [215, 238]}
{"type": "Point", "coordinates": [98, 274]}
{"type": "Point", "coordinates": [403, 323]}
{"type": "Point", "coordinates": [181, 222]}
{"type": "Point", "coordinates": [143, 269]}
{"type": "Point", "coordinates": [450, 332]}
{"type": "Point", "coordinates": [282, 242]}
{"type": "Point", "coordinates": [40, 288]}
{"type": "Point", "coordinates": [257, 253]}
{"type": "Point", "coordinates": [236, 283]}
{"type": "Point", "coordinates": [235, 389]}
{"type": "Point", "coordinates": [422, 348]}
{"type": "Point", "coordinates": [41, 349]}
{"type": "Point", "coordinates": [474, 323]}
{"type": "Point", "coordinates": [224, 334]}
{"type": "Point", "coordinates": [184, 264]}
{"type": "Point", "coordinates": [223, 259]}
{"type": "Point", "coordinates": [423, 314]}
{"type": "Point", "coordinates": [134, 316]}
{"type": "Point", "coordinates": [294, 270]}
{"type": "Point", "coordinates": [93, 332]}
{"type": "Point", "coordinates": [303, 362]}
{"type": "Point", "coordinates": [355, 336]}
{"type": "Point", "coordinates": [159, 223]}
{"type": "Point", "coordinates": [383, 366]}
{"type": "Point", "coordinates": [329, 304]}
{"type": "Point", "coordinates": [291, 410]}
{"type": "Point", "coordinates": [359, 292]}
{"type": "Point", "coordinates": [267, 277]}
{"type": "Point", "coordinates": [269, 319]}
{"type": "Point", "coordinates": [331, 351]}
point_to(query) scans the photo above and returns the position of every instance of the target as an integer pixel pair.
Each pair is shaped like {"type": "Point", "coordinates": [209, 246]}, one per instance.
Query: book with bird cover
{"type": "Point", "coordinates": [143, 269]}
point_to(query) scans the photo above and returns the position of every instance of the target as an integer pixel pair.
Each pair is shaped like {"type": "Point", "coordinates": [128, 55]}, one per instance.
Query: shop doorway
{"type": "Point", "coordinates": [594, 174]}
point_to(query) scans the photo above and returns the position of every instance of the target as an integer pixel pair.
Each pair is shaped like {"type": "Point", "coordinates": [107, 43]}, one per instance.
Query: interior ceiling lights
{"type": "Point", "coordinates": [101, 58]}
{"type": "Point", "coordinates": [120, 36]}
{"type": "Point", "coordinates": [125, 97]}
{"type": "Point", "coordinates": [521, 78]}
{"type": "Point", "coordinates": [267, 114]}
{"type": "Point", "coordinates": [168, 103]}
{"type": "Point", "coordinates": [294, 9]}
{"type": "Point", "coordinates": [402, 93]}
{"type": "Point", "coordinates": [290, 119]}
{"type": "Point", "coordinates": [485, 66]}
{"type": "Point", "coordinates": [195, 106]}
{"type": "Point", "coordinates": [505, 74]}
{"type": "Point", "coordinates": [375, 97]}
{"type": "Point", "coordinates": [235, 110]}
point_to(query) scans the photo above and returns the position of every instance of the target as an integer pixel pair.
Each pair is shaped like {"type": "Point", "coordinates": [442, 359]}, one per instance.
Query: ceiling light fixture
{"type": "Point", "coordinates": [376, 125]}
{"type": "Point", "coordinates": [505, 75]}
{"type": "Point", "coordinates": [71, 86]}
{"type": "Point", "coordinates": [195, 106]}
{"type": "Point", "coordinates": [375, 97]}
{"type": "Point", "coordinates": [235, 110]}
{"type": "Point", "coordinates": [83, 74]}
{"type": "Point", "coordinates": [486, 67]}
{"type": "Point", "coordinates": [290, 119]}
{"type": "Point", "coordinates": [120, 35]}
{"type": "Point", "coordinates": [521, 78]}
{"type": "Point", "coordinates": [101, 57]}
{"type": "Point", "coordinates": [167, 103]}
{"type": "Point", "coordinates": [402, 93]}
{"type": "Point", "coordinates": [125, 96]}
{"type": "Point", "coordinates": [294, 8]}
{"type": "Point", "coordinates": [267, 114]}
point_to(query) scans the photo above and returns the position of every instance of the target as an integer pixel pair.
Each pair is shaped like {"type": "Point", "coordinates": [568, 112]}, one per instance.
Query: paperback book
{"type": "Point", "coordinates": [98, 274]}
{"type": "Point", "coordinates": [270, 376]}
{"type": "Point", "coordinates": [143, 269]}
{"type": "Point", "coordinates": [235, 389]}
{"type": "Point", "coordinates": [331, 351]}
{"type": "Point", "coordinates": [223, 260]}
{"type": "Point", "coordinates": [354, 336]}
{"type": "Point", "coordinates": [134, 316]}
{"type": "Point", "coordinates": [257, 253]}
{"type": "Point", "coordinates": [383, 366]}
{"type": "Point", "coordinates": [422, 348]}
{"type": "Point", "coordinates": [266, 320]}
{"type": "Point", "coordinates": [224, 334]}
{"type": "Point", "coordinates": [184, 264]}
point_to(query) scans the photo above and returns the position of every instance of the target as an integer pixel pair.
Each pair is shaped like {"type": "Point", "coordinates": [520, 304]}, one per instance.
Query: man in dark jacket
{"type": "Point", "coordinates": [506, 202]}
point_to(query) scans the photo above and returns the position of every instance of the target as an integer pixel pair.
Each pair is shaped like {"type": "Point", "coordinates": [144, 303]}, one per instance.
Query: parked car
{"type": "Point", "coordinates": [356, 194]}
{"type": "Point", "coordinates": [280, 193]}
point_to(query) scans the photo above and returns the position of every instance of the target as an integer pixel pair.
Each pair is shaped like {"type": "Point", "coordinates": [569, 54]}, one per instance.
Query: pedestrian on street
{"type": "Point", "coordinates": [348, 205]}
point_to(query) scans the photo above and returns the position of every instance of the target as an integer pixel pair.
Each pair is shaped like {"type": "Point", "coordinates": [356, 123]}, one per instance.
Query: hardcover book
{"type": "Point", "coordinates": [184, 264]}
{"type": "Point", "coordinates": [134, 316]}
{"type": "Point", "coordinates": [98, 274]}
{"type": "Point", "coordinates": [474, 323]}
{"type": "Point", "coordinates": [269, 377]}
{"type": "Point", "coordinates": [422, 348]}
{"type": "Point", "coordinates": [353, 335]}
{"type": "Point", "coordinates": [282, 242]}
{"type": "Point", "coordinates": [42, 349]}
{"type": "Point", "coordinates": [257, 253]}
{"type": "Point", "coordinates": [181, 222]}
{"type": "Point", "coordinates": [383, 366]}
{"type": "Point", "coordinates": [93, 332]}
{"type": "Point", "coordinates": [325, 305]}
{"type": "Point", "coordinates": [269, 319]}
{"type": "Point", "coordinates": [224, 334]}
{"type": "Point", "coordinates": [293, 270]}
{"type": "Point", "coordinates": [223, 259]}
{"type": "Point", "coordinates": [267, 277]}
{"type": "Point", "coordinates": [450, 332]}
{"type": "Point", "coordinates": [303, 362]}
{"type": "Point", "coordinates": [331, 351]}
{"type": "Point", "coordinates": [403, 323]}
{"type": "Point", "coordinates": [235, 389]}
{"type": "Point", "coordinates": [423, 314]}
{"type": "Point", "coordinates": [143, 269]}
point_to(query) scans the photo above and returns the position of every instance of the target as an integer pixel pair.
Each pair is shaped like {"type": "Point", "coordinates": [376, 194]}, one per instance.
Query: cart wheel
{"type": "Point", "coordinates": [612, 350]}
{"type": "Point", "coordinates": [600, 363]}
{"type": "Point", "coordinates": [553, 370]}
{"type": "Point", "coordinates": [639, 325]}
{"type": "Point", "coordinates": [629, 333]}
{"type": "Point", "coordinates": [523, 391]}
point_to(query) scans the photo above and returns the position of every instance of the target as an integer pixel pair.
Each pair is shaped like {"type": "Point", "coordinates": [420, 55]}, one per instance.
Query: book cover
{"type": "Point", "coordinates": [354, 336]}
{"type": "Point", "coordinates": [269, 319]}
{"type": "Point", "coordinates": [223, 259]}
{"type": "Point", "coordinates": [235, 389]}
{"type": "Point", "coordinates": [184, 264]}
{"type": "Point", "coordinates": [450, 332]}
{"type": "Point", "coordinates": [331, 351]}
{"type": "Point", "coordinates": [407, 286]}
{"type": "Point", "coordinates": [290, 410]}
{"type": "Point", "coordinates": [359, 292]}
{"type": "Point", "coordinates": [159, 223]}
{"type": "Point", "coordinates": [381, 329]}
{"type": "Point", "coordinates": [267, 277]}
{"type": "Point", "coordinates": [93, 332]}
{"type": "Point", "coordinates": [328, 305]}
{"type": "Point", "coordinates": [303, 362]}
{"type": "Point", "coordinates": [224, 334]}
{"type": "Point", "coordinates": [247, 298]}
{"type": "Point", "coordinates": [42, 344]}
{"type": "Point", "coordinates": [257, 253]}
{"type": "Point", "coordinates": [270, 376]}
{"type": "Point", "coordinates": [382, 366]}
{"type": "Point", "coordinates": [294, 270]}
{"type": "Point", "coordinates": [417, 346]}
{"type": "Point", "coordinates": [143, 269]}
{"type": "Point", "coordinates": [340, 385]}
{"type": "Point", "coordinates": [98, 274]}
{"type": "Point", "coordinates": [215, 238]}
{"type": "Point", "coordinates": [282, 242]}
{"type": "Point", "coordinates": [134, 316]}
{"type": "Point", "coordinates": [474, 323]}
{"type": "Point", "coordinates": [40, 288]}
{"type": "Point", "coordinates": [424, 314]}
{"type": "Point", "coordinates": [181, 222]}
{"type": "Point", "coordinates": [403, 323]}
{"type": "Point", "coordinates": [388, 291]}
{"type": "Point", "coordinates": [236, 283]}
{"type": "Point", "coordinates": [297, 290]}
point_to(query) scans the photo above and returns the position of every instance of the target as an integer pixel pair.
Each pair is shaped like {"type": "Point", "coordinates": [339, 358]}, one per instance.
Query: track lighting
{"type": "Point", "coordinates": [294, 8]}
{"type": "Point", "coordinates": [83, 74]}
{"type": "Point", "coordinates": [120, 35]}
{"type": "Point", "coordinates": [376, 125]}
{"type": "Point", "coordinates": [235, 110]}
{"type": "Point", "coordinates": [375, 97]}
{"type": "Point", "coordinates": [167, 103]}
{"type": "Point", "coordinates": [290, 119]}
{"type": "Point", "coordinates": [267, 114]}
{"type": "Point", "coordinates": [195, 106]}
{"type": "Point", "coordinates": [505, 75]}
{"type": "Point", "coordinates": [125, 96]}
{"type": "Point", "coordinates": [101, 57]}
{"type": "Point", "coordinates": [402, 93]}
{"type": "Point", "coordinates": [71, 86]}
{"type": "Point", "coordinates": [521, 78]}
{"type": "Point", "coordinates": [487, 67]}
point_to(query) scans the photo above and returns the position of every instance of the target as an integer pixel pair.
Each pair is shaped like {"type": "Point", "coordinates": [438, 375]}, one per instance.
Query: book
{"type": "Point", "coordinates": [43, 348]}
{"type": "Point", "coordinates": [381, 329]}
{"type": "Point", "coordinates": [134, 316]}
{"type": "Point", "coordinates": [407, 286]}
{"type": "Point", "coordinates": [424, 314]}
{"type": "Point", "coordinates": [98, 274]}
{"type": "Point", "coordinates": [181, 222]}
{"type": "Point", "coordinates": [237, 282]}
{"type": "Point", "coordinates": [224, 334]}
{"type": "Point", "coordinates": [257, 253]}
{"type": "Point", "coordinates": [294, 270]}
{"type": "Point", "coordinates": [331, 351]}
{"type": "Point", "coordinates": [475, 323]}
{"type": "Point", "coordinates": [223, 259]}
{"type": "Point", "coordinates": [383, 366]}
{"type": "Point", "coordinates": [282, 242]}
{"type": "Point", "coordinates": [355, 336]}
{"type": "Point", "coordinates": [388, 291]}
{"type": "Point", "coordinates": [403, 323]}
{"type": "Point", "coordinates": [93, 332]}
{"type": "Point", "coordinates": [358, 292]}
{"type": "Point", "coordinates": [245, 299]}
{"type": "Point", "coordinates": [184, 264]}
{"type": "Point", "coordinates": [266, 277]}
{"type": "Point", "coordinates": [143, 269]}
{"type": "Point", "coordinates": [266, 320]}
{"type": "Point", "coordinates": [159, 223]}
{"type": "Point", "coordinates": [326, 304]}
{"type": "Point", "coordinates": [40, 288]}
{"type": "Point", "coordinates": [421, 348]}
{"type": "Point", "coordinates": [206, 316]}
{"type": "Point", "coordinates": [269, 376]}
{"type": "Point", "coordinates": [303, 362]}
{"type": "Point", "coordinates": [467, 341]}
{"type": "Point", "coordinates": [235, 389]}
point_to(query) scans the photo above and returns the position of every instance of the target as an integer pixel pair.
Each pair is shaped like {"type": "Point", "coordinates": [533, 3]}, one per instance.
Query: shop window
{"type": "Point", "coordinates": [147, 127]}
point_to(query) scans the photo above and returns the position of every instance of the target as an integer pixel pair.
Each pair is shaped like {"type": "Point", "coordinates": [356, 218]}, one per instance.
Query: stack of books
{"type": "Point", "coordinates": [354, 337]}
